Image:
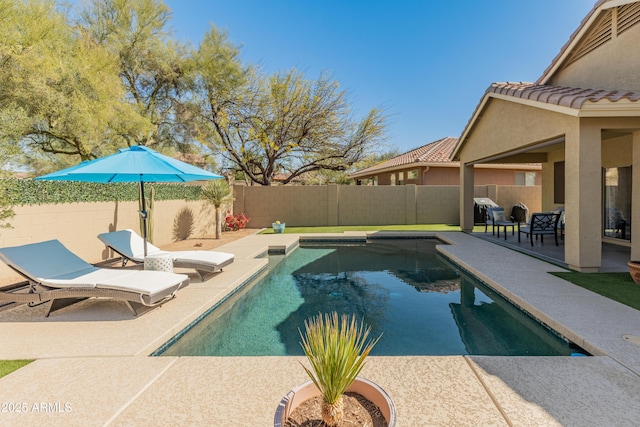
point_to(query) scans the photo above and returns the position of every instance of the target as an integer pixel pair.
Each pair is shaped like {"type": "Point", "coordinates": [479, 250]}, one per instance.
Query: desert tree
{"type": "Point", "coordinates": [150, 63]}
{"type": "Point", "coordinates": [281, 123]}
{"type": "Point", "coordinates": [61, 95]}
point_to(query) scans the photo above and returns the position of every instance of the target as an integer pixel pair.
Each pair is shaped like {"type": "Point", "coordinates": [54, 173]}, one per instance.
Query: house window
{"type": "Point", "coordinates": [400, 178]}
{"type": "Point", "coordinates": [617, 203]}
{"type": "Point", "coordinates": [526, 178]}
{"type": "Point", "coordinates": [393, 179]}
{"type": "Point", "coordinates": [558, 183]}
{"type": "Point", "coordinates": [413, 174]}
{"type": "Point", "coordinates": [375, 180]}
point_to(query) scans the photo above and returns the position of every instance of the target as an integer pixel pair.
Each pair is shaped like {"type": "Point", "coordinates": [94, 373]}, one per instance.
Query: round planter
{"type": "Point", "coordinates": [365, 388]}
{"type": "Point", "coordinates": [634, 270]}
{"type": "Point", "coordinates": [278, 228]}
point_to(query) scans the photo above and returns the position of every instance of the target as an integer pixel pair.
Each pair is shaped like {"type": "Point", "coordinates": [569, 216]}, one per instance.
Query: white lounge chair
{"type": "Point", "coordinates": [130, 246]}
{"type": "Point", "coordinates": [58, 276]}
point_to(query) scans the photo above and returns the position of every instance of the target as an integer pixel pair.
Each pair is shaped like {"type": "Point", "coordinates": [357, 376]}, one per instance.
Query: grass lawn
{"type": "Point", "coordinates": [616, 286]}
{"type": "Point", "coordinates": [8, 366]}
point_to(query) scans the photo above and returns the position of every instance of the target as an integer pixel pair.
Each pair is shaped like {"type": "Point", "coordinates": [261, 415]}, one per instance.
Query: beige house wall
{"type": "Point", "coordinates": [368, 205]}
{"type": "Point", "coordinates": [614, 65]}
{"type": "Point", "coordinates": [506, 125]}
{"type": "Point", "coordinates": [77, 225]}
{"type": "Point", "coordinates": [442, 175]}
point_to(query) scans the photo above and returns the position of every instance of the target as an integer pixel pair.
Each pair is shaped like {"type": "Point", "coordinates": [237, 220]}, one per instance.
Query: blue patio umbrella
{"type": "Point", "coordinates": [134, 164]}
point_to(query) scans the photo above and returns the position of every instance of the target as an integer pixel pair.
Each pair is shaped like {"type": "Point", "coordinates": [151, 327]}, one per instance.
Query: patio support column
{"type": "Point", "coordinates": [467, 192]}
{"type": "Point", "coordinates": [583, 197]}
{"type": "Point", "coordinates": [635, 197]}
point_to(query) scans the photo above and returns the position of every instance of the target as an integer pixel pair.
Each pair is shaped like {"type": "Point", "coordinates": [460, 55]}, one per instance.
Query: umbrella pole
{"type": "Point", "coordinates": [143, 213]}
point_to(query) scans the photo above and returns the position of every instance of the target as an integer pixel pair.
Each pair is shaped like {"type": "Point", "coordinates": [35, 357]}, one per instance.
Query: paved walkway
{"type": "Point", "coordinates": [92, 367]}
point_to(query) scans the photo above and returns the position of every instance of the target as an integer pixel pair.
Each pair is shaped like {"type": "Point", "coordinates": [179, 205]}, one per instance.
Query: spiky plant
{"type": "Point", "coordinates": [336, 348]}
{"type": "Point", "coordinates": [217, 192]}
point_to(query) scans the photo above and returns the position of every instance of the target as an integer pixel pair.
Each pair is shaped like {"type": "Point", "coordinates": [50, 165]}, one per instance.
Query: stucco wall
{"type": "Point", "coordinates": [372, 205]}
{"type": "Point", "coordinates": [437, 175]}
{"type": "Point", "coordinates": [295, 205]}
{"type": "Point", "coordinates": [368, 205]}
{"type": "Point", "coordinates": [509, 125]}
{"type": "Point", "coordinates": [77, 225]}
{"type": "Point", "coordinates": [617, 152]}
{"type": "Point", "coordinates": [613, 65]}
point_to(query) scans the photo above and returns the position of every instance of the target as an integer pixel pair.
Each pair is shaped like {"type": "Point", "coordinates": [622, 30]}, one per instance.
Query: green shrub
{"type": "Point", "coordinates": [30, 192]}
{"type": "Point", "coordinates": [336, 349]}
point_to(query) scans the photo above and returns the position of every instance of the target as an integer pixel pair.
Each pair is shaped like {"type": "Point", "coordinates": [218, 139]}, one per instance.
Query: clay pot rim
{"type": "Point", "coordinates": [285, 407]}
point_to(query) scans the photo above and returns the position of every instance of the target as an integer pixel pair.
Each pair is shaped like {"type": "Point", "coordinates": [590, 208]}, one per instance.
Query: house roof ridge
{"type": "Point", "coordinates": [438, 151]}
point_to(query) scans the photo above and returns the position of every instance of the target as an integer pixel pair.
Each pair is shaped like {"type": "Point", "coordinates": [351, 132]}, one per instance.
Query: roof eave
{"type": "Point", "coordinates": [469, 126]}
{"type": "Point", "coordinates": [602, 108]}
{"type": "Point", "coordinates": [532, 103]}
{"type": "Point", "coordinates": [606, 108]}
{"type": "Point", "coordinates": [393, 168]}
{"type": "Point", "coordinates": [449, 165]}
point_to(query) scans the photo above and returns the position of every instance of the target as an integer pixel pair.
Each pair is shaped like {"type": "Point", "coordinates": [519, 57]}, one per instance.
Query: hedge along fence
{"type": "Point", "coordinates": [30, 192]}
{"type": "Point", "coordinates": [76, 212]}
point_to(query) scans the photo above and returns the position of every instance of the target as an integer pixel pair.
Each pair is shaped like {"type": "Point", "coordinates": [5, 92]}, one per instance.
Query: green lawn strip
{"type": "Point", "coordinates": [8, 366]}
{"type": "Point", "coordinates": [342, 229]}
{"type": "Point", "coordinates": [616, 286]}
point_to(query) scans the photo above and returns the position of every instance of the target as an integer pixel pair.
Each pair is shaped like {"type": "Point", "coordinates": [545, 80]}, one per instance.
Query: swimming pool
{"type": "Point", "coordinates": [421, 303]}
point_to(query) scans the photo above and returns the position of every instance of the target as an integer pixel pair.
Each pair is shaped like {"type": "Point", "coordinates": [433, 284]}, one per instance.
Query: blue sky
{"type": "Point", "coordinates": [427, 63]}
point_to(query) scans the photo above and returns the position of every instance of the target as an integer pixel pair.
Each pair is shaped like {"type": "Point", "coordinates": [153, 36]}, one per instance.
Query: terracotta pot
{"type": "Point", "coordinates": [634, 270]}
{"type": "Point", "coordinates": [365, 388]}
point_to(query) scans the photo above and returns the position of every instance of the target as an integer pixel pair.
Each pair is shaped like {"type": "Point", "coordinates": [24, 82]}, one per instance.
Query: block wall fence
{"type": "Point", "coordinates": [77, 225]}
{"type": "Point", "coordinates": [368, 205]}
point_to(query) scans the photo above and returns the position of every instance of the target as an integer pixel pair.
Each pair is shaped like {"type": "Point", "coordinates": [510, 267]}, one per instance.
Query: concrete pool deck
{"type": "Point", "coordinates": [93, 369]}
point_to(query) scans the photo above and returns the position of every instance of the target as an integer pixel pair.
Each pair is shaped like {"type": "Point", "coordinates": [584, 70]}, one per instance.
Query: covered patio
{"type": "Point", "coordinates": [581, 121]}
{"type": "Point", "coordinates": [613, 259]}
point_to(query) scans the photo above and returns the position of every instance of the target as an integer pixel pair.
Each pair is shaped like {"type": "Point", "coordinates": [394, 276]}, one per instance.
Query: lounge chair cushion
{"type": "Point", "coordinates": [52, 265]}
{"type": "Point", "coordinates": [46, 260]}
{"type": "Point", "coordinates": [152, 283]}
{"type": "Point", "coordinates": [130, 245]}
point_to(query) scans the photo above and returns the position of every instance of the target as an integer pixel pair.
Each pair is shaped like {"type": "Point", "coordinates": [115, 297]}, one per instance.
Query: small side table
{"type": "Point", "coordinates": [159, 263]}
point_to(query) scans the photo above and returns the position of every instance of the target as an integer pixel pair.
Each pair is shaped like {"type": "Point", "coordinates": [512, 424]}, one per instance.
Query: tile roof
{"type": "Point", "coordinates": [435, 152]}
{"type": "Point", "coordinates": [570, 97]}
{"type": "Point", "coordinates": [564, 96]}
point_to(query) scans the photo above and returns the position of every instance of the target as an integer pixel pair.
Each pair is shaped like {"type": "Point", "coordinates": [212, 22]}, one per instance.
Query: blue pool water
{"type": "Point", "coordinates": [403, 289]}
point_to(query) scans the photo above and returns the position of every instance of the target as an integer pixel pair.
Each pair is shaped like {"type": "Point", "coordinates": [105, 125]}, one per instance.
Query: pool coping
{"type": "Point", "coordinates": [460, 390]}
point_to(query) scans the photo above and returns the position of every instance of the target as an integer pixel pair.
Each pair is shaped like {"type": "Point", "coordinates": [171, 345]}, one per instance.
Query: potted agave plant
{"type": "Point", "coordinates": [336, 347]}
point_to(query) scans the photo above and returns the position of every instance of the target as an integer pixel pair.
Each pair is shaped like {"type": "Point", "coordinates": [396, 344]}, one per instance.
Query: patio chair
{"type": "Point", "coordinates": [496, 218]}
{"type": "Point", "coordinates": [560, 226]}
{"type": "Point", "coordinates": [540, 224]}
{"type": "Point", "coordinates": [61, 278]}
{"type": "Point", "coordinates": [130, 246]}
